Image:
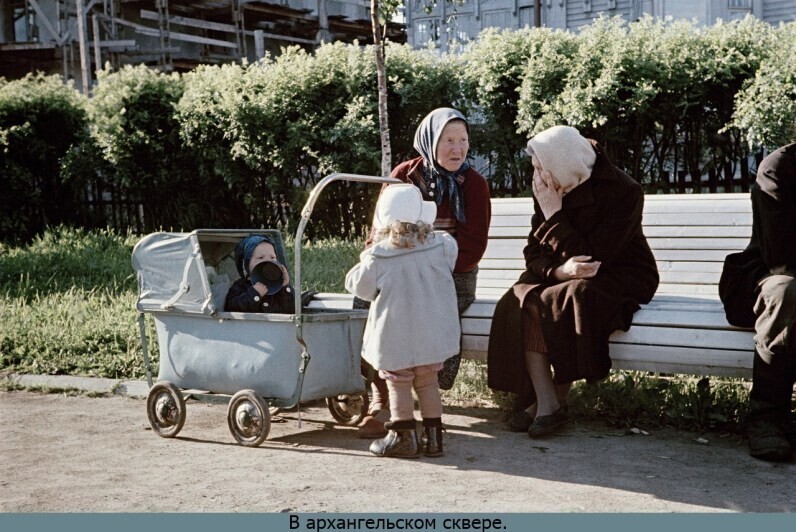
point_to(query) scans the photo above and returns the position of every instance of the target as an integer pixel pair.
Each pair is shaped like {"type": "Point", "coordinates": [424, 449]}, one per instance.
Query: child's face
{"type": "Point", "coordinates": [263, 252]}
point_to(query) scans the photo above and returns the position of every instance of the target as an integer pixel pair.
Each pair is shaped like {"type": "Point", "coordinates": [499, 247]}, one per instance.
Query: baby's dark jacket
{"type": "Point", "coordinates": [242, 297]}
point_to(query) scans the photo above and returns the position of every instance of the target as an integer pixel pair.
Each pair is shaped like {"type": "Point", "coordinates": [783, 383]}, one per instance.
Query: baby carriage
{"type": "Point", "coordinates": [258, 363]}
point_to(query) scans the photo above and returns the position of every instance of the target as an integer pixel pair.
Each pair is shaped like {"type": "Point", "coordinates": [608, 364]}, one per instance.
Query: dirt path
{"type": "Point", "coordinates": [76, 453]}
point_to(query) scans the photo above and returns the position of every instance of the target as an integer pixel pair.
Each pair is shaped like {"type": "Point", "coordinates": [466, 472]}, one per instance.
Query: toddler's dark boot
{"type": "Point", "coordinates": [432, 436]}
{"type": "Point", "coordinates": [400, 441]}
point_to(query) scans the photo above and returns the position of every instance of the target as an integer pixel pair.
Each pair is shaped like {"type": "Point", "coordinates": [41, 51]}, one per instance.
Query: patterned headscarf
{"type": "Point", "coordinates": [426, 139]}
{"type": "Point", "coordinates": [245, 249]}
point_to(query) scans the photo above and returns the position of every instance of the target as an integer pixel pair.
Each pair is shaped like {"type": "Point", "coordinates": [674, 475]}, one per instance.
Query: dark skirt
{"type": "Point", "coordinates": [465, 295]}
{"type": "Point", "coordinates": [575, 319]}
{"type": "Point", "coordinates": [532, 333]}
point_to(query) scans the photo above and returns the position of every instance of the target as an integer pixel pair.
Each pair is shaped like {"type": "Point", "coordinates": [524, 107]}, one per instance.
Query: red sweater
{"type": "Point", "coordinates": [472, 235]}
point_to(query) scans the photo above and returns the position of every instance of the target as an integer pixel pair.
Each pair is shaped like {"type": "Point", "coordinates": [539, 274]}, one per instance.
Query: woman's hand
{"type": "Point", "coordinates": [578, 267]}
{"type": "Point", "coordinates": [547, 193]}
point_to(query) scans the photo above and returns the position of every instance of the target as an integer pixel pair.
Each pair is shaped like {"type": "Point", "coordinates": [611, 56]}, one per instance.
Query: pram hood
{"type": "Point", "coordinates": [190, 272]}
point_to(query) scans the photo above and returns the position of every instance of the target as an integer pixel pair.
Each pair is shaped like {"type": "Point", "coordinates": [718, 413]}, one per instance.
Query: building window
{"type": "Point", "coordinates": [460, 28]}
{"type": "Point", "coordinates": [526, 17]}
{"type": "Point", "coordinates": [611, 4]}
{"type": "Point", "coordinates": [496, 19]}
{"type": "Point", "coordinates": [586, 5]}
{"type": "Point", "coordinates": [461, 31]}
{"type": "Point", "coordinates": [739, 4]}
{"type": "Point", "coordinates": [426, 31]}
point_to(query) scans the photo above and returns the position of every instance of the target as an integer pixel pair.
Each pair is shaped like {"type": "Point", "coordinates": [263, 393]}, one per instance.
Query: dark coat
{"type": "Point", "coordinates": [242, 297]}
{"type": "Point", "coordinates": [772, 248]}
{"type": "Point", "coordinates": [600, 218]}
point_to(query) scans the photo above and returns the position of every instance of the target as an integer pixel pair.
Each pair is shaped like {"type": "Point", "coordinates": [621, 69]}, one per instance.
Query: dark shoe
{"type": "Point", "coordinates": [546, 425]}
{"type": "Point", "coordinates": [432, 437]}
{"type": "Point", "coordinates": [370, 428]}
{"type": "Point", "coordinates": [400, 441]}
{"type": "Point", "coordinates": [520, 422]}
{"type": "Point", "coordinates": [767, 441]}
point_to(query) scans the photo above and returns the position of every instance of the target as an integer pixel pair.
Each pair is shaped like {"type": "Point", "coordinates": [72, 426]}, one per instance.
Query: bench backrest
{"type": "Point", "coordinates": [690, 234]}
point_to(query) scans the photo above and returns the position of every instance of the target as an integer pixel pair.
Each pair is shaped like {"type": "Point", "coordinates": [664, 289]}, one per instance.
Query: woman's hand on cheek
{"type": "Point", "coordinates": [577, 267]}
{"type": "Point", "coordinates": [547, 195]}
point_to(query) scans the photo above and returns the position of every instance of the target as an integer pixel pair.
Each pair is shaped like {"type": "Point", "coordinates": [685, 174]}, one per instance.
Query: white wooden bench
{"type": "Point", "coordinates": [683, 329]}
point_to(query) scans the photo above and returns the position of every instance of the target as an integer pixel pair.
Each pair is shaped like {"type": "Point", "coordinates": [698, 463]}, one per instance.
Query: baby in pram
{"type": "Point", "coordinates": [256, 290]}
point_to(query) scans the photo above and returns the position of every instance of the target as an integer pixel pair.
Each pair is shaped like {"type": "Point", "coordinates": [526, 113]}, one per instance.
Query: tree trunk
{"type": "Point", "coordinates": [744, 162]}
{"type": "Point", "coordinates": [381, 74]}
{"type": "Point", "coordinates": [324, 35]}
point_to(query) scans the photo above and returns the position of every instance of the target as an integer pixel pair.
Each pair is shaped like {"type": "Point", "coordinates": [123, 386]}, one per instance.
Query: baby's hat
{"type": "Point", "coordinates": [565, 153]}
{"type": "Point", "coordinates": [245, 249]}
{"type": "Point", "coordinates": [403, 202]}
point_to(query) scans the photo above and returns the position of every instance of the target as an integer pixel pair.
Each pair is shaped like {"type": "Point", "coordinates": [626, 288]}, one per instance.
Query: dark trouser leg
{"type": "Point", "coordinates": [381, 397]}
{"type": "Point", "coordinates": [372, 426]}
{"type": "Point", "coordinates": [775, 347]}
{"type": "Point", "coordinates": [773, 369]}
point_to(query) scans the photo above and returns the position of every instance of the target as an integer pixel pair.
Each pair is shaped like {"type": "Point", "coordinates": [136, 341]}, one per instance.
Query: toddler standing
{"type": "Point", "coordinates": [413, 324]}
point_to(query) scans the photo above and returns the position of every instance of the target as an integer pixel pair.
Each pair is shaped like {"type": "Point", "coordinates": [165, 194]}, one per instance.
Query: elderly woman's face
{"type": "Point", "coordinates": [453, 145]}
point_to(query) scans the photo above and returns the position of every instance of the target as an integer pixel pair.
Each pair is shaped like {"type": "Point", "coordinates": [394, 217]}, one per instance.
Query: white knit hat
{"type": "Point", "coordinates": [404, 203]}
{"type": "Point", "coordinates": [565, 153]}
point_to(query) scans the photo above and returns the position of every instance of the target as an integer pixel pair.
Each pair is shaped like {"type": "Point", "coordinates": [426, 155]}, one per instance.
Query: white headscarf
{"type": "Point", "coordinates": [565, 153]}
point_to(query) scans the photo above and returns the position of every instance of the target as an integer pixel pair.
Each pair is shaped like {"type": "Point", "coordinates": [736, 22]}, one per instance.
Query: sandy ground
{"type": "Point", "coordinates": [63, 453]}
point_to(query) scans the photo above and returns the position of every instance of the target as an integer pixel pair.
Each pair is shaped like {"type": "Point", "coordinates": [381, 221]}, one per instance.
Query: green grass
{"type": "Point", "coordinates": [324, 263]}
{"type": "Point", "coordinates": [67, 306]}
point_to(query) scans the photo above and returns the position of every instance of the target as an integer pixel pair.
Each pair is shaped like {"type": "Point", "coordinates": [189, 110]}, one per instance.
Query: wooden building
{"type": "Point", "coordinates": [450, 24]}
{"type": "Point", "coordinates": [50, 36]}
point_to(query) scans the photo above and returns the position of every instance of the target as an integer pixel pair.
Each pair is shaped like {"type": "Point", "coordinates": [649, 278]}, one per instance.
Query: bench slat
{"type": "Point", "coordinates": [694, 319]}
{"type": "Point", "coordinates": [689, 266]}
{"type": "Point", "coordinates": [517, 264]}
{"type": "Point", "coordinates": [698, 243]}
{"type": "Point", "coordinates": [725, 363]}
{"type": "Point", "coordinates": [689, 249]}
{"type": "Point", "coordinates": [506, 278]}
{"type": "Point", "coordinates": [698, 231]}
{"type": "Point", "coordinates": [692, 219]}
{"type": "Point", "coordinates": [485, 307]}
{"type": "Point", "coordinates": [692, 255]}
{"type": "Point", "coordinates": [678, 336]}
{"type": "Point", "coordinates": [657, 231]}
{"type": "Point", "coordinates": [514, 220]}
{"type": "Point", "coordinates": [664, 359]}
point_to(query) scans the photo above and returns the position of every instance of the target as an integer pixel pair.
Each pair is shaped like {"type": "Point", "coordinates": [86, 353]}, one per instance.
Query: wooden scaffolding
{"type": "Point", "coordinates": [78, 37]}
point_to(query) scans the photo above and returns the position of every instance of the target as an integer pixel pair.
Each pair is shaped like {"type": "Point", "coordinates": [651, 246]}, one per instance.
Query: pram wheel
{"type": "Point", "coordinates": [248, 418]}
{"type": "Point", "coordinates": [165, 408]}
{"type": "Point", "coordinates": [348, 410]}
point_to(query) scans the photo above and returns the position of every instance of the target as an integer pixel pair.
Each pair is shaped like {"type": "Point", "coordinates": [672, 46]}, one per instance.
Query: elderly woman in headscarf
{"type": "Point", "coordinates": [588, 268]}
{"type": "Point", "coordinates": [461, 194]}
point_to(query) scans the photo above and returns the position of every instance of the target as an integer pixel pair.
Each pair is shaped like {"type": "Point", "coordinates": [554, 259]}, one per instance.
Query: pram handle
{"type": "Point", "coordinates": [306, 212]}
